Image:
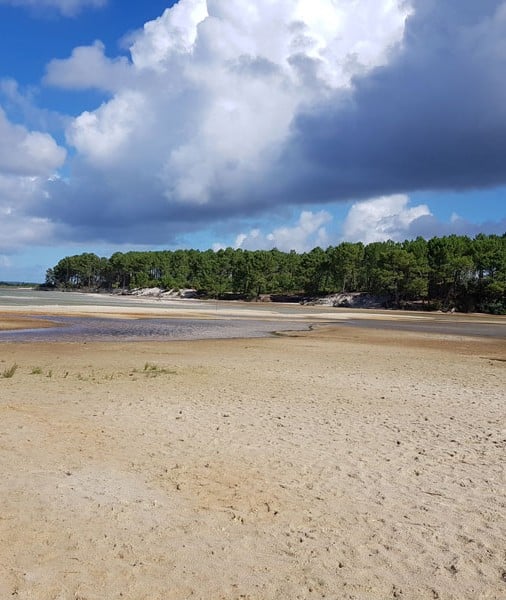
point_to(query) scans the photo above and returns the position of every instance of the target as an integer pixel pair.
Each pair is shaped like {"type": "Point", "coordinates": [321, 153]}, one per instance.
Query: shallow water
{"type": "Point", "coordinates": [82, 329]}
{"type": "Point", "coordinates": [76, 329]}
{"type": "Point", "coordinates": [94, 328]}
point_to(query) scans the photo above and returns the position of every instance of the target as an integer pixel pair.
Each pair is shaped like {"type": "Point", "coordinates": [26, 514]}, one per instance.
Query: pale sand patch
{"type": "Point", "coordinates": [341, 464]}
{"type": "Point", "coordinates": [230, 310]}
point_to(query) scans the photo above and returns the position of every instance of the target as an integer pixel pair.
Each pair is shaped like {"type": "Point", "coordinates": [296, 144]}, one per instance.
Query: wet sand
{"type": "Point", "coordinates": [16, 323]}
{"type": "Point", "coordinates": [342, 463]}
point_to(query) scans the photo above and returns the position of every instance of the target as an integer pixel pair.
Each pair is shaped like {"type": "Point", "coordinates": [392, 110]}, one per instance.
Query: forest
{"type": "Point", "coordinates": [451, 272]}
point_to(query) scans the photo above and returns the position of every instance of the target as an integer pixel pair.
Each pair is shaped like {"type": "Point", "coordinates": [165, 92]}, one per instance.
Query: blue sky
{"type": "Point", "coordinates": [145, 125]}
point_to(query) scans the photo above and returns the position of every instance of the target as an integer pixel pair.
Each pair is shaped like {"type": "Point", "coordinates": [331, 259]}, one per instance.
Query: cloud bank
{"type": "Point", "coordinates": [395, 218]}
{"type": "Point", "coordinates": [433, 118]}
{"type": "Point", "coordinates": [225, 109]}
{"type": "Point", "coordinates": [205, 107]}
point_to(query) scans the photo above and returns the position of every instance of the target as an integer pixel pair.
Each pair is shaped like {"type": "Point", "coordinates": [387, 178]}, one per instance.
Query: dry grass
{"type": "Point", "coordinates": [8, 373]}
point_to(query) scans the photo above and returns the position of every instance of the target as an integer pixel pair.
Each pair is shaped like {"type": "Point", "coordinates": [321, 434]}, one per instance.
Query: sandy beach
{"type": "Point", "coordinates": [340, 463]}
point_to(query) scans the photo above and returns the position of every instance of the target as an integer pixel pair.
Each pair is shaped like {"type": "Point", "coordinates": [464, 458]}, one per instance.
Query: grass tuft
{"type": "Point", "coordinates": [8, 373]}
{"type": "Point", "coordinates": [152, 370]}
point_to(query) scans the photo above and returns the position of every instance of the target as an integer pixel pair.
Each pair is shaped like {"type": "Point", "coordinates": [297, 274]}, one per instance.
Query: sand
{"type": "Point", "coordinates": [343, 463]}
{"type": "Point", "coordinates": [13, 322]}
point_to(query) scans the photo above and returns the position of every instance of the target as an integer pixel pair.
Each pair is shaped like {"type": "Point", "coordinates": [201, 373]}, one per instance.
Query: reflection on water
{"type": "Point", "coordinates": [76, 329]}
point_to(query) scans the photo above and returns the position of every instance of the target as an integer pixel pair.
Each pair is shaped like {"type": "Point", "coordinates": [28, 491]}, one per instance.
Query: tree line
{"type": "Point", "coordinates": [468, 274]}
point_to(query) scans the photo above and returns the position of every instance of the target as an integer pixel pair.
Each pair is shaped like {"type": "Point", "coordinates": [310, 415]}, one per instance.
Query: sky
{"type": "Point", "coordinates": [129, 125]}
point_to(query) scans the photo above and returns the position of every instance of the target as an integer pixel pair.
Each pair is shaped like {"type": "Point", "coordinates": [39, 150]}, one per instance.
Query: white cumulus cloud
{"type": "Point", "coordinates": [18, 196]}
{"type": "Point", "coordinates": [173, 33]}
{"type": "Point", "coordinates": [88, 67]}
{"type": "Point", "coordinates": [27, 160]}
{"type": "Point", "coordinates": [24, 152]}
{"type": "Point", "coordinates": [104, 135]}
{"type": "Point", "coordinates": [306, 234]}
{"type": "Point", "coordinates": [211, 90]}
{"type": "Point", "coordinates": [381, 219]}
